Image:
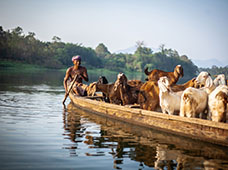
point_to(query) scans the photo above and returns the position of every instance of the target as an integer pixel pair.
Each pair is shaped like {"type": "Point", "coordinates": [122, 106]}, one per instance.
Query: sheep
{"type": "Point", "coordinates": [217, 103]}
{"type": "Point", "coordinates": [155, 74]}
{"type": "Point", "coordinates": [169, 101]}
{"type": "Point", "coordinates": [193, 102]}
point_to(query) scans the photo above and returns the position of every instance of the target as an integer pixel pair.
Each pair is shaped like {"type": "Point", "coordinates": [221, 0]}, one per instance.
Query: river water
{"type": "Point", "coordinates": [37, 132]}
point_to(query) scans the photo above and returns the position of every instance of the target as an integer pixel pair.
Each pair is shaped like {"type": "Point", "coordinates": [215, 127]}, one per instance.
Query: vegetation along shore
{"type": "Point", "coordinates": [20, 50]}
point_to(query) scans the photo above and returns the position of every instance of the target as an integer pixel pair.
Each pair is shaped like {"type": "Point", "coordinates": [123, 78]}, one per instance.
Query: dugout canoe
{"type": "Point", "coordinates": [206, 130]}
{"type": "Point", "coordinates": [148, 138]}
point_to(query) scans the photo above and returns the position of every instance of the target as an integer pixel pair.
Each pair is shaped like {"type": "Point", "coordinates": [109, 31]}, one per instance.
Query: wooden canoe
{"type": "Point", "coordinates": [206, 130]}
{"type": "Point", "coordinates": [149, 138]}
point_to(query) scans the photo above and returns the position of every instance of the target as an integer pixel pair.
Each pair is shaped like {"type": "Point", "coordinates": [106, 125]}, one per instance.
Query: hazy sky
{"type": "Point", "coordinates": [196, 28]}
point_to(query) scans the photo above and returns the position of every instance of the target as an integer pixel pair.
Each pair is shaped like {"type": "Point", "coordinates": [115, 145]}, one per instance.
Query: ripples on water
{"type": "Point", "coordinates": [36, 132]}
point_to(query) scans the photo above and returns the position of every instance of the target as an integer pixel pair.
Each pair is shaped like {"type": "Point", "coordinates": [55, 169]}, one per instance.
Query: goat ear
{"type": "Point", "coordinates": [185, 96]}
{"type": "Point", "coordinates": [209, 82]}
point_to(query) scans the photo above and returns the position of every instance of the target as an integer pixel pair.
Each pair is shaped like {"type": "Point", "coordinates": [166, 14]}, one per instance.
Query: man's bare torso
{"type": "Point", "coordinates": [80, 71]}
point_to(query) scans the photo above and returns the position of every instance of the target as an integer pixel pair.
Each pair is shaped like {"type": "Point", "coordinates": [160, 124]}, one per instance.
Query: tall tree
{"type": "Point", "coordinates": [102, 51]}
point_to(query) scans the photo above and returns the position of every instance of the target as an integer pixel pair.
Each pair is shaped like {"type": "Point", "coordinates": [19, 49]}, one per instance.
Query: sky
{"type": "Point", "coordinates": [196, 28]}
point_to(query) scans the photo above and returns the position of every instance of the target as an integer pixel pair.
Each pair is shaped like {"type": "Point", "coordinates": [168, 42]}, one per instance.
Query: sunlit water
{"type": "Point", "coordinates": [37, 132]}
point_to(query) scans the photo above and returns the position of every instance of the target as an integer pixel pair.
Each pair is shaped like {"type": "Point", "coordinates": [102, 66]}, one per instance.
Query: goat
{"type": "Point", "coordinates": [122, 93]}
{"type": "Point", "coordinates": [169, 101]}
{"type": "Point", "coordinates": [148, 97]}
{"type": "Point", "coordinates": [105, 89]}
{"type": "Point", "coordinates": [155, 74]}
{"type": "Point", "coordinates": [91, 89]}
{"type": "Point", "coordinates": [100, 85]}
{"type": "Point", "coordinates": [220, 80]}
{"type": "Point", "coordinates": [182, 87]}
{"type": "Point", "coordinates": [135, 83]}
{"type": "Point", "coordinates": [193, 102]}
{"type": "Point", "coordinates": [103, 80]}
{"type": "Point", "coordinates": [217, 103]}
{"type": "Point", "coordinates": [204, 79]}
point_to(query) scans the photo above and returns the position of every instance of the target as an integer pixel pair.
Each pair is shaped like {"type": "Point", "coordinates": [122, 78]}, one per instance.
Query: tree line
{"type": "Point", "coordinates": [214, 70]}
{"type": "Point", "coordinates": [16, 46]}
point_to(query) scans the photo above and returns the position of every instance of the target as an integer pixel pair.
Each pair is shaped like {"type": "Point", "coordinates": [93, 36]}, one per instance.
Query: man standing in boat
{"type": "Point", "coordinates": [81, 72]}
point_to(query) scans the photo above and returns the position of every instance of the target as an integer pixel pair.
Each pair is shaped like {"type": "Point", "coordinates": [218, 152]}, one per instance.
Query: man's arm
{"type": "Point", "coordinates": [66, 78]}
{"type": "Point", "coordinates": [84, 74]}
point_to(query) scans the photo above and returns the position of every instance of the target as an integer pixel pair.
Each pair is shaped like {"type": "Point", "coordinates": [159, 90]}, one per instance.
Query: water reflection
{"type": "Point", "coordinates": [150, 148]}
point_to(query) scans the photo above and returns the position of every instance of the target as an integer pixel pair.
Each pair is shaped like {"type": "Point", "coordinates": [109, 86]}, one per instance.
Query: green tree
{"type": "Point", "coordinates": [102, 51]}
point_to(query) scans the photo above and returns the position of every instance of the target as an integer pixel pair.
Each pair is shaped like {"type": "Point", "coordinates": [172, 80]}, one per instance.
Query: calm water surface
{"type": "Point", "coordinates": [36, 132]}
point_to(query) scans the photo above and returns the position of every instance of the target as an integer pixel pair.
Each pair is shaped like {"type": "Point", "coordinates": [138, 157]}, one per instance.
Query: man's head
{"type": "Point", "coordinates": [76, 58]}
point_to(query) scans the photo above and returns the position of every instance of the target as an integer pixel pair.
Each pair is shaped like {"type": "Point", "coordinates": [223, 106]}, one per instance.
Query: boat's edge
{"type": "Point", "coordinates": [213, 132]}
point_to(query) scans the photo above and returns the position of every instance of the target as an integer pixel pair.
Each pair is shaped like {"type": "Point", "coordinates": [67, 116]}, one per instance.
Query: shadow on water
{"type": "Point", "coordinates": [148, 147]}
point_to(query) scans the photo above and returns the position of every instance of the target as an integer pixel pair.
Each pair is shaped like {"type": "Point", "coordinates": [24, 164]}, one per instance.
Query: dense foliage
{"type": "Point", "coordinates": [214, 70]}
{"type": "Point", "coordinates": [16, 46]}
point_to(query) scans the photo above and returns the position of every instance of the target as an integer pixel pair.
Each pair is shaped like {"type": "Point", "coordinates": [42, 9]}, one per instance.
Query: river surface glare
{"type": "Point", "coordinates": [37, 132]}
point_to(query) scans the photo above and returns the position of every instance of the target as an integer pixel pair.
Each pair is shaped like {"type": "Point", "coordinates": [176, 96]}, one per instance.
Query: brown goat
{"type": "Point", "coordinates": [148, 97]}
{"type": "Point", "coordinates": [135, 83]}
{"type": "Point", "coordinates": [105, 89]}
{"type": "Point", "coordinates": [182, 87]}
{"type": "Point", "coordinates": [173, 77]}
{"type": "Point", "coordinates": [122, 92]}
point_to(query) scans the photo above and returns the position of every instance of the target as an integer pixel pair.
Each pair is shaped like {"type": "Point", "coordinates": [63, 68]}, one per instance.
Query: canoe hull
{"type": "Point", "coordinates": [213, 132]}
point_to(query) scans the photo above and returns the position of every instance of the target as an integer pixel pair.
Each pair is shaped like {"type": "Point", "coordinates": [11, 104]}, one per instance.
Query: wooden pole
{"type": "Point", "coordinates": [71, 86]}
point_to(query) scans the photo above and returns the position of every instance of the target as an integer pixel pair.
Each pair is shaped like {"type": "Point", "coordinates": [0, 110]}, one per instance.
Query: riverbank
{"type": "Point", "coordinates": [15, 66]}
{"type": "Point", "coordinates": [19, 66]}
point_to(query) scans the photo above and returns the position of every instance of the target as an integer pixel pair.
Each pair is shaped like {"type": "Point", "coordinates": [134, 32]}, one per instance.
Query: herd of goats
{"type": "Point", "coordinates": [200, 97]}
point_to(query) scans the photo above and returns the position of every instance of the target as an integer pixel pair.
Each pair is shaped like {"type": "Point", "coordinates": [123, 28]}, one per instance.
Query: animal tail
{"type": "Point", "coordinates": [146, 71]}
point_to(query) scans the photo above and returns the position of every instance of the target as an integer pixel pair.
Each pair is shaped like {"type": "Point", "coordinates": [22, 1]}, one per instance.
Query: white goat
{"type": "Point", "coordinates": [220, 80]}
{"type": "Point", "coordinates": [217, 103]}
{"type": "Point", "coordinates": [193, 102]}
{"type": "Point", "coordinates": [205, 79]}
{"type": "Point", "coordinates": [169, 101]}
